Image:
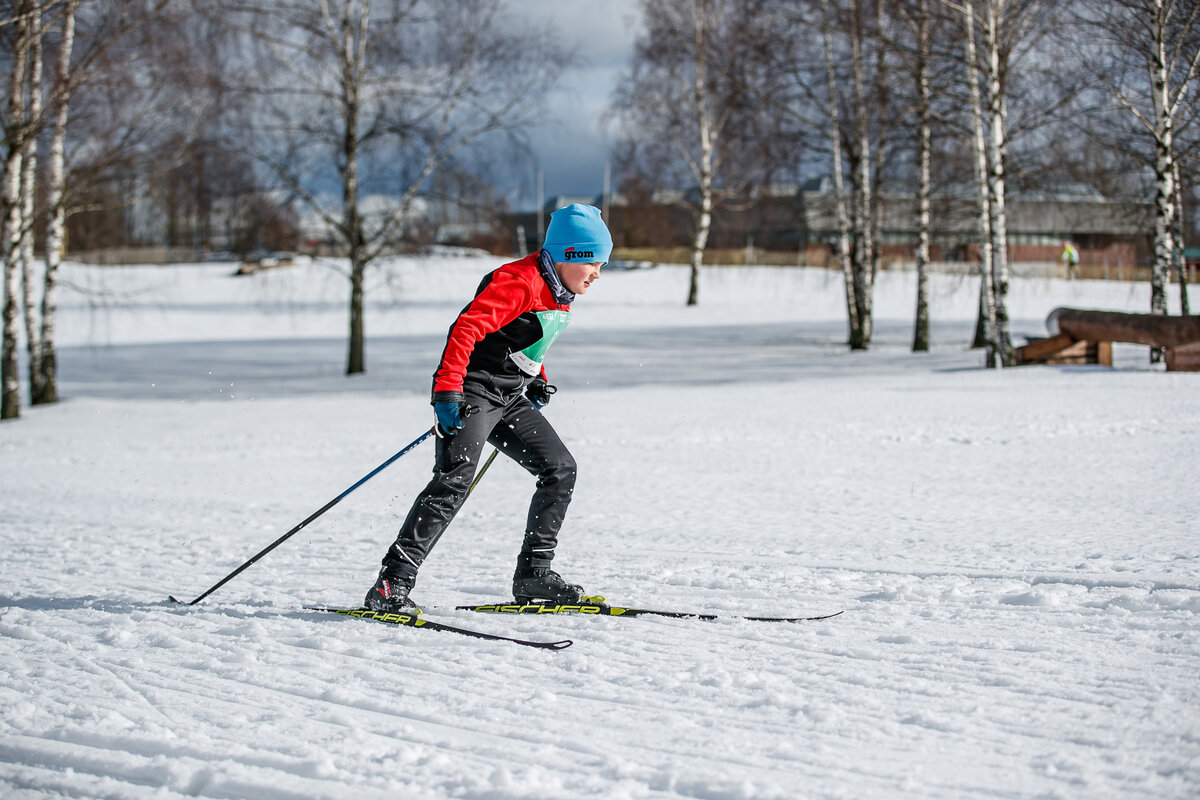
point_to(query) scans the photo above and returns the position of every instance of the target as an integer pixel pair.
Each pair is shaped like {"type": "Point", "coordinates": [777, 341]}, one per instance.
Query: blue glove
{"type": "Point", "coordinates": [449, 417]}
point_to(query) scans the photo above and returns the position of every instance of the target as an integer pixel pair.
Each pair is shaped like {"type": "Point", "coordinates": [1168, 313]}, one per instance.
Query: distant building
{"type": "Point", "coordinates": [1105, 231]}
{"type": "Point", "coordinates": [802, 219]}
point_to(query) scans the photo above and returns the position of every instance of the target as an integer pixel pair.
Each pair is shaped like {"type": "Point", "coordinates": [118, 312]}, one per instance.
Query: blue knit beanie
{"type": "Point", "coordinates": [577, 233]}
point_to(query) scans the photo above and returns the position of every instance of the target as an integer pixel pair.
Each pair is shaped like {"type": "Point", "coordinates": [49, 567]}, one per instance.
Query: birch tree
{"type": "Point", "coordinates": [21, 30]}
{"type": "Point", "coordinates": [1180, 259]}
{"type": "Point", "coordinates": [43, 358]}
{"type": "Point", "coordinates": [374, 98]}
{"type": "Point", "coordinates": [860, 150]}
{"type": "Point", "coordinates": [839, 188]}
{"type": "Point", "coordinates": [999, 24]}
{"type": "Point", "coordinates": [987, 273]}
{"type": "Point", "coordinates": [1149, 64]}
{"type": "Point", "coordinates": [1001, 44]}
{"type": "Point", "coordinates": [33, 106]}
{"type": "Point", "coordinates": [24, 241]}
{"type": "Point", "coordinates": [919, 17]}
{"type": "Point", "coordinates": [685, 104]}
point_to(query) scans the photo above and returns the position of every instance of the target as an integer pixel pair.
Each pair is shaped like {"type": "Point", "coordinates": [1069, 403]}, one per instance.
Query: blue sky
{"type": "Point", "coordinates": [571, 147]}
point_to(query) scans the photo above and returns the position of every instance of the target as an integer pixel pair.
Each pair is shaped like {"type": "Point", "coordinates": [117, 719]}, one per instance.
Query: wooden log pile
{"type": "Point", "coordinates": [1079, 336]}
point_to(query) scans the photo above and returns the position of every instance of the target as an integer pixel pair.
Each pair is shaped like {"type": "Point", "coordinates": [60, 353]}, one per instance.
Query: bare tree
{"type": "Point", "coordinates": [33, 107]}
{"type": "Point", "coordinates": [24, 242]}
{"type": "Point", "coordinates": [987, 275]}
{"type": "Point", "coordinates": [373, 99]}
{"type": "Point", "coordinates": [839, 188]}
{"type": "Point", "coordinates": [43, 357]}
{"type": "Point", "coordinates": [1001, 53]}
{"type": "Point", "coordinates": [858, 82]}
{"type": "Point", "coordinates": [1150, 63]}
{"type": "Point", "coordinates": [21, 31]}
{"type": "Point", "coordinates": [685, 105]}
{"type": "Point", "coordinates": [919, 17]}
{"type": "Point", "coordinates": [863, 167]}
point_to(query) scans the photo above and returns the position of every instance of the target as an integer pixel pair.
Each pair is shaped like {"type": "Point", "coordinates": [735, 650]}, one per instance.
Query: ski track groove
{"type": "Point", "coordinates": [912, 678]}
{"type": "Point", "coordinates": [314, 700]}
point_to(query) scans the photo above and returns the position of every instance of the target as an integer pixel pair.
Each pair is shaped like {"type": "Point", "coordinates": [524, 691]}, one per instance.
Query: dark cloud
{"type": "Point", "coordinates": [571, 147]}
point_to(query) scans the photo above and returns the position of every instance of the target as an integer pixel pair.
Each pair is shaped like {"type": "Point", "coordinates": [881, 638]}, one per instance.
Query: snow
{"type": "Point", "coordinates": [1015, 551]}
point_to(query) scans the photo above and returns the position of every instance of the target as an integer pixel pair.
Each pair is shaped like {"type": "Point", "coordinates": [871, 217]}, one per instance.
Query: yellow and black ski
{"type": "Point", "coordinates": [417, 621]}
{"type": "Point", "coordinates": [597, 606]}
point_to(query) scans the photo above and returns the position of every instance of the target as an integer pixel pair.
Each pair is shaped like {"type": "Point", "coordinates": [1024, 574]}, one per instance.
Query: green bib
{"type": "Point", "coordinates": [553, 323]}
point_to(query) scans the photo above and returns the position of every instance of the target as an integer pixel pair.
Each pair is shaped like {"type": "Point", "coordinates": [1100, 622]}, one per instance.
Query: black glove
{"type": "Point", "coordinates": [539, 392]}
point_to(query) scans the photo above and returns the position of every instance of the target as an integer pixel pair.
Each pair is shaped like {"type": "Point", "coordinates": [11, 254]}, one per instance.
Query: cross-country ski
{"type": "Point", "coordinates": [599, 607]}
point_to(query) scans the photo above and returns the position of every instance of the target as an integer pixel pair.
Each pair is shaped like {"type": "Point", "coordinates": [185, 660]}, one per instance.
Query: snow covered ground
{"type": "Point", "coordinates": [1016, 552]}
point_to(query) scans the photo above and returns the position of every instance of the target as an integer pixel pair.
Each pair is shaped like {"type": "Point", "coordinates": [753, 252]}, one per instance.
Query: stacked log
{"type": "Point", "coordinates": [1080, 336]}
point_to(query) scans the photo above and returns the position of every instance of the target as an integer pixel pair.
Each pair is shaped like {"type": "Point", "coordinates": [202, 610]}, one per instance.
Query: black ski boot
{"type": "Point", "coordinates": [389, 595]}
{"type": "Point", "coordinates": [542, 584]}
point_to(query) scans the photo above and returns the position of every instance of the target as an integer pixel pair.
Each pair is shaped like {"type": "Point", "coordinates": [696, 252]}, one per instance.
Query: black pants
{"type": "Point", "coordinates": [519, 431]}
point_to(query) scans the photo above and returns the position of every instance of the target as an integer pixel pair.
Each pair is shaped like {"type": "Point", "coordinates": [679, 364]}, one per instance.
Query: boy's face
{"type": "Point", "coordinates": [577, 276]}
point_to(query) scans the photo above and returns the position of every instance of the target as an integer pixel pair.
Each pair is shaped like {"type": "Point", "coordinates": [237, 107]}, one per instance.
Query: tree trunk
{"type": "Point", "coordinates": [864, 246]}
{"type": "Point", "coordinates": [704, 125]}
{"type": "Point", "coordinates": [351, 57]}
{"type": "Point", "coordinates": [29, 308]}
{"type": "Point", "coordinates": [1180, 255]}
{"type": "Point", "coordinates": [839, 185]}
{"type": "Point", "coordinates": [14, 133]}
{"type": "Point", "coordinates": [56, 228]}
{"type": "Point", "coordinates": [987, 295]}
{"type": "Point", "coordinates": [998, 113]}
{"type": "Point", "coordinates": [924, 214]}
{"type": "Point", "coordinates": [1164, 173]}
{"type": "Point", "coordinates": [699, 242]}
{"type": "Point", "coordinates": [356, 360]}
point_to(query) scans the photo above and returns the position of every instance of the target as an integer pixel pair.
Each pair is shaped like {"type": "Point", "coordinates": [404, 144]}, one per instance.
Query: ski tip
{"type": "Point", "coordinates": [563, 645]}
{"type": "Point", "coordinates": [173, 599]}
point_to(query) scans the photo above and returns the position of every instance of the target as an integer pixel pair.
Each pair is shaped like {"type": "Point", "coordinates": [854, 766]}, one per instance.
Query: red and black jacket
{"type": "Point", "coordinates": [499, 321]}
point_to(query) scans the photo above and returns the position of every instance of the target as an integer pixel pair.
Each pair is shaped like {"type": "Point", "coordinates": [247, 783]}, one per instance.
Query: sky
{"type": "Point", "coordinates": [571, 147]}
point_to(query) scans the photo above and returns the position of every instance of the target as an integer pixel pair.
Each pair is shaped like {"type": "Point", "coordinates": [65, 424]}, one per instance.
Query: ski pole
{"type": "Point", "coordinates": [313, 516]}
{"type": "Point", "coordinates": [483, 469]}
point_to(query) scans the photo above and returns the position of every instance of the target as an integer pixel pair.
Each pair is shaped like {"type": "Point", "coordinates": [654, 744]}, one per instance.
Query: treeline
{"type": "Point", "coordinates": [946, 98]}
{"type": "Point", "coordinates": [198, 122]}
{"type": "Point", "coordinates": [217, 123]}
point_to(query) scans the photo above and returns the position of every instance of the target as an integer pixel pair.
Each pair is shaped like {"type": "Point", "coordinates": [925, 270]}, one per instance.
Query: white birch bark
{"type": "Point", "coordinates": [997, 152]}
{"type": "Point", "coordinates": [924, 180]}
{"type": "Point", "coordinates": [25, 260]}
{"type": "Point", "coordinates": [14, 135]}
{"type": "Point", "coordinates": [704, 167]}
{"type": "Point", "coordinates": [839, 187]}
{"type": "Point", "coordinates": [1164, 41]}
{"type": "Point", "coordinates": [350, 42]}
{"type": "Point", "coordinates": [1164, 167]}
{"type": "Point", "coordinates": [861, 177]}
{"type": "Point", "coordinates": [56, 208]}
{"type": "Point", "coordinates": [987, 283]}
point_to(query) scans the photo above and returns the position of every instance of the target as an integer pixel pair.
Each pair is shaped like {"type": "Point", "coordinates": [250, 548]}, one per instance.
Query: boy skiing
{"type": "Point", "coordinates": [489, 388]}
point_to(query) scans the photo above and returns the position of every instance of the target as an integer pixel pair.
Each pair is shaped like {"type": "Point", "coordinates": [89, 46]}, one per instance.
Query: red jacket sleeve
{"type": "Point", "coordinates": [504, 299]}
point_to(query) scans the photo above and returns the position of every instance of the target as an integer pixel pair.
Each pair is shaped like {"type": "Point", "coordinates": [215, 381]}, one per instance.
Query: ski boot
{"type": "Point", "coordinates": [533, 585]}
{"type": "Point", "coordinates": [389, 595]}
